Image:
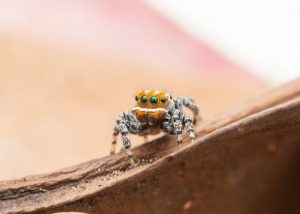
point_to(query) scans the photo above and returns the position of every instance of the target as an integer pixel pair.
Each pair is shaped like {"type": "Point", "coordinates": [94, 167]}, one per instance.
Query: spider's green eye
{"type": "Point", "coordinates": [163, 99]}
{"type": "Point", "coordinates": [136, 98]}
{"type": "Point", "coordinates": [144, 99]}
{"type": "Point", "coordinates": [153, 100]}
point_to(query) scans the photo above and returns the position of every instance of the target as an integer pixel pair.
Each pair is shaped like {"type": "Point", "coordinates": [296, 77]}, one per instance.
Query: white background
{"type": "Point", "coordinates": [262, 35]}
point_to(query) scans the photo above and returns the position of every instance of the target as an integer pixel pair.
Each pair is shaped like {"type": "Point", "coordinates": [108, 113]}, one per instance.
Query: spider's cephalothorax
{"type": "Point", "coordinates": [152, 107]}
{"type": "Point", "coordinates": [155, 110]}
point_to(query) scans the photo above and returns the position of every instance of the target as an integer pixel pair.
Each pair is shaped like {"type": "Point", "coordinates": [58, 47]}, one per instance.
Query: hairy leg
{"type": "Point", "coordinates": [175, 122]}
{"type": "Point", "coordinates": [188, 123]}
{"type": "Point", "coordinates": [173, 125]}
{"type": "Point", "coordinates": [126, 141]}
{"type": "Point", "coordinates": [114, 142]}
{"type": "Point", "coordinates": [190, 104]}
{"type": "Point", "coordinates": [126, 123]}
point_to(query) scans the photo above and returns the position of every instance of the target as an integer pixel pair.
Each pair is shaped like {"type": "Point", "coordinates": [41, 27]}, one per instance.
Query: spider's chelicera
{"type": "Point", "coordinates": [155, 111]}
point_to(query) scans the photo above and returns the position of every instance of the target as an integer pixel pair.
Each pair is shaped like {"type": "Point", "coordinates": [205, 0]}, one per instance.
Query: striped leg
{"type": "Point", "coordinates": [126, 141]}
{"type": "Point", "coordinates": [114, 142]}
{"type": "Point", "coordinates": [190, 104]}
{"type": "Point", "coordinates": [188, 123]}
{"type": "Point", "coordinates": [126, 123]}
{"type": "Point", "coordinates": [178, 127]}
{"type": "Point", "coordinates": [179, 139]}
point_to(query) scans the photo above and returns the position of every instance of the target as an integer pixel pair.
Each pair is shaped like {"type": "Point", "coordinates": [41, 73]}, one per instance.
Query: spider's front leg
{"type": "Point", "coordinates": [114, 142]}
{"type": "Point", "coordinates": [176, 122]}
{"type": "Point", "coordinates": [178, 127]}
{"type": "Point", "coordinates": [178, 131]}
{"type": "Point", "coordinates": [121, 128]}
{"type": "Point", "coordinates": [188, 123]}
{"type": "Point", "coordinates": [126, 123]}
{"type": "Point", "coordinates": [190, 104]}
{"type": "Point", "coordinates": [126, 141]}
{"type": "Point", "coordinates": [173, 125]}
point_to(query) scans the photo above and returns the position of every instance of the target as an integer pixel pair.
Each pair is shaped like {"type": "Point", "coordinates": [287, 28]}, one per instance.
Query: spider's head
{"type": "Point", "coordinates": [152, 99]}
{"type": "Point", "coordinates": [152, 106]}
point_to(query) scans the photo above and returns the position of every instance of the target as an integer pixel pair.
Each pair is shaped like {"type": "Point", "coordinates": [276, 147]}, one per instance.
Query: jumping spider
{"type": "Point", "coordinates": [155, 111]}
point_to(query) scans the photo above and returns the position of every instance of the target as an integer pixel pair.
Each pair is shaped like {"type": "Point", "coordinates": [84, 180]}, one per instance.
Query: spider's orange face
{"type": "Point", "coordinates": [151, 106]}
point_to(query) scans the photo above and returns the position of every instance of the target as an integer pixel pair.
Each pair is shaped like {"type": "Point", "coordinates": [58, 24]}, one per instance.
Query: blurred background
{"type": "Point", "coordinates": [68, 68]}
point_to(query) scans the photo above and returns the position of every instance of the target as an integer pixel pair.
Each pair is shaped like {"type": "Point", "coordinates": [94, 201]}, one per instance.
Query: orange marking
{"type": "Point", "coordinates": [151, 113]}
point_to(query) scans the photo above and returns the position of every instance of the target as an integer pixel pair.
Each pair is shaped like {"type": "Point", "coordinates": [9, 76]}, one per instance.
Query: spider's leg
{"type": "Point", "coordinates": [178, 131]}
{"type": "Point", "coordinates": [128, 123]}
{"type": "Point", "coordinates": [188, 123]}
{"type": "Point", "coordinates": [126, 141]}
{"type": "Point", "coordinates": [190, 104]}
{"type": "Point", "coordinates": [173, 125]}
{"type": "Point", "coordinates": [114, 142]}
{"type": "Point", "coordinates": [177, 125]}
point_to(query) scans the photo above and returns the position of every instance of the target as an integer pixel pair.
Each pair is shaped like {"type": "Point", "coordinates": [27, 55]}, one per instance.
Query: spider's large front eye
{"type": "Point", "coordinates": [144, 99]}
{"type": "Point", "coordinates": [153, 100]}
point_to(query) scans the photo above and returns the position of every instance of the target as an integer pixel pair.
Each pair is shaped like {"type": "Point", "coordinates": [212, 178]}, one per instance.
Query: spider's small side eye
{"type": "Point", "coordinates": [153, 100]}
{"type": "Point", "coordinates": [144, 99]}
{"type": "Point", "coordinates": [163, 99]}
{"type": "Point", "coordinates": [136, 98]}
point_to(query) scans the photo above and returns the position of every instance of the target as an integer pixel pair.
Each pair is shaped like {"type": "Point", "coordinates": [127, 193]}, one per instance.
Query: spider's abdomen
{"type": "Point", "coordinates": [150, 116]}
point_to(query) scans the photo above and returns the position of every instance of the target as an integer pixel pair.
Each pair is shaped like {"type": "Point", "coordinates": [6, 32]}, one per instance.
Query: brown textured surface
{"type": "Point", "coordinates": [241, 162]}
